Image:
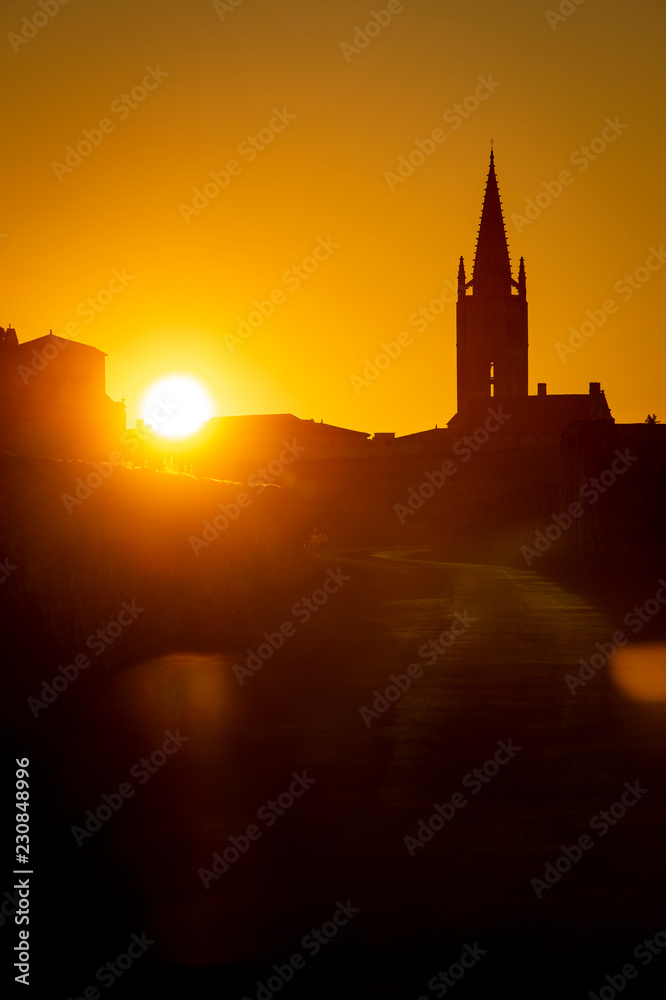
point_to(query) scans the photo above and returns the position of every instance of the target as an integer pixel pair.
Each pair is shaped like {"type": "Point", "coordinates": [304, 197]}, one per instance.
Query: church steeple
{"type": "Point", "coordinates": [492, 316]}
{"type": "Point", "coordinates": [491, 275]}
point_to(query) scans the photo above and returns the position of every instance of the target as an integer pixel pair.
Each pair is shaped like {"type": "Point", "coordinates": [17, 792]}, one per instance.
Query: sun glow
{"type": "Point", "coordinates": [176, 406]}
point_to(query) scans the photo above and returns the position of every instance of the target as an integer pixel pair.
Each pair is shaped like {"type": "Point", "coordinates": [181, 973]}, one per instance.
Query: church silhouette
{"type": "Point", "coordinates": [54, 402]}
{"type": "Point", "coordinates": [533, 455]}
{"type": "Point", "coordinates": [492, 341]}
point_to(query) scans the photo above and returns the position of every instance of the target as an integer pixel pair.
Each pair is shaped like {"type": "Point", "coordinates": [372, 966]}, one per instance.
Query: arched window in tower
{"type": "Point", "coordinates": [492, 378]}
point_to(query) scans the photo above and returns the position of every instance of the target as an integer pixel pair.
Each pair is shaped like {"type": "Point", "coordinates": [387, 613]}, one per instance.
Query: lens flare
{"type": "Point", "coordinates": [639, 671]}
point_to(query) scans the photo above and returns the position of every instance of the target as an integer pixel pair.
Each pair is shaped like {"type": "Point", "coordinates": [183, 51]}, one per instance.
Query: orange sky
{"type": "Point", "coordinates": [218, 72]}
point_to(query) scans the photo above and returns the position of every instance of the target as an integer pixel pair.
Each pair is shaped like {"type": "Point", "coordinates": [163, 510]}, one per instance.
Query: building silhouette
{"type": "Point", "coordinates": [53, 400]}
{"type": "Point", "coordinates": [623, 523]}
{"type": "Point", "coordinates": [492, 320]}
{"type": "Point", "coordinates": [479, 487]}
{"type": "Point", "coordinates": [492, 342]}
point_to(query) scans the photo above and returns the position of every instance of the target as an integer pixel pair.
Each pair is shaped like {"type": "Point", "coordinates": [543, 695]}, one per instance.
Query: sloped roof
{"type": "Point", "coordinates": [60, 342]}
{"type": "Point", "coordinates": [281, 423]}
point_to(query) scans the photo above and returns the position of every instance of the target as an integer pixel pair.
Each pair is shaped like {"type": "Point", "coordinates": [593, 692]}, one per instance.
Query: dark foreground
{"type": "Point", "coordinates": [331, 856]}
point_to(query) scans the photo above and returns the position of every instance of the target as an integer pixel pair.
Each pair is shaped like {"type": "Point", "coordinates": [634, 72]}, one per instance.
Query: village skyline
{"type": "Point", "coordinates": [270, 244]}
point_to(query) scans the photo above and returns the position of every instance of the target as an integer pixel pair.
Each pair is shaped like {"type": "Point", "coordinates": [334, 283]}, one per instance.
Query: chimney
{"type": "Point", "coordinates": [595, 388]}
{"type": "Point", "coordinates": [541, 388]}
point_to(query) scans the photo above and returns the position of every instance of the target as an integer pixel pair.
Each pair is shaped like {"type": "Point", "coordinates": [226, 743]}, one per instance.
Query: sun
{"type": "Point", "coordinates": [176, 406]}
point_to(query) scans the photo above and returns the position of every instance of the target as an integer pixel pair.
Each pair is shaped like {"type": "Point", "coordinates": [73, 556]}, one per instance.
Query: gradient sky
{"type": "Point", "coordinates": [323, 177]}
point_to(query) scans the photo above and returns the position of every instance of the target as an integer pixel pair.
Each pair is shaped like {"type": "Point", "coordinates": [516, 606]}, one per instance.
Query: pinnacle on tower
{"type": "Point", "coordinates": [461, 278]}
{"type": "Point", "coordinates": [491, 275]}
{"type": "Point", "coordinates": [521, 284]}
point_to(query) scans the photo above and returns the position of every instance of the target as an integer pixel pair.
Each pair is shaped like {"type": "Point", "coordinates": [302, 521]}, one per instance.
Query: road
{"type": "Point", "coordinates": [487, 728]}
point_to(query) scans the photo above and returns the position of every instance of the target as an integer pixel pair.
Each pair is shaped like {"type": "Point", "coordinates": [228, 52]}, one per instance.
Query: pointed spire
{"type": "Point", "coordinates": [492, 269]}
{"type": "Point", "coordinates": [522, 280]}
{"type": "Point", "coordinates": [461, 278]}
